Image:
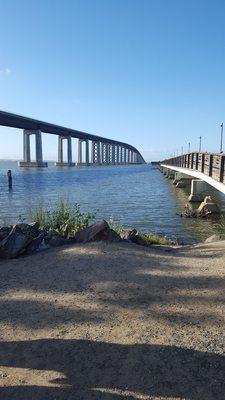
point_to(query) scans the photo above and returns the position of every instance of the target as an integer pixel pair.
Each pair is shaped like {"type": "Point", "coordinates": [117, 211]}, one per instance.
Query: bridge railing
{"type": "Point", "coordinates": [210, 164]}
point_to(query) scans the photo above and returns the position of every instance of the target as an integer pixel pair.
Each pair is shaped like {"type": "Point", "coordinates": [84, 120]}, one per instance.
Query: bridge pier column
{"type": "Point", "coordinates": [198, 190]}
{"type": "Point", "coordinates": [80, 161]}
{"type": "Point", "coordinates": [26, 146]}
{"type": "Point", "coordinates": [96, 152]}
{"type": "Point", "coordinates": [38, 150]}
{"type": "Point", "coordinates": [110, 153]}
{"type": "Point", "coordinates": [113, 154]}
{"type": "Point", "coordinates": [129, 156]}
{"type": "Point", "coordinates": [125, 155]}
{"type": "Point", "coordinates": [60, 162]}
{"type": "Point", "coordinates": [107, 153]}
{"type": "Point", "coordinates": [117, 154]}
{"type": "Point", "coordinates": [87, 152]}
{"type": "Point", "coordinates": [79, 152]}
{"type": "Point", "coordinates": [122, 155]}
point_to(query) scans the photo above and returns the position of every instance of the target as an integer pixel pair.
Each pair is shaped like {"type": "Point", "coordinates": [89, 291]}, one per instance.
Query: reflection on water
{"type": "Point", "coordinates": [137, 196]}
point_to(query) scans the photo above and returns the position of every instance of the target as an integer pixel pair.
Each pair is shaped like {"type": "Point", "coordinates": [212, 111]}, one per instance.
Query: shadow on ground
{"type": "Point", "coordinates": [96, 370]}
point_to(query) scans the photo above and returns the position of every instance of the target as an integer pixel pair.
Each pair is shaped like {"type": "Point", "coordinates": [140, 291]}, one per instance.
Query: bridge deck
{"type": "Point", "coordinates": [21, 122]}
{"type": "Point", "coordinates": [198, 175]}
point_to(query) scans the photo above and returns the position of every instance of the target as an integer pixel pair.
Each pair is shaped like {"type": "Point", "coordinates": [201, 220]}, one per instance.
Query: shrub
{"type": "Point", "coordinates": [63, 217]}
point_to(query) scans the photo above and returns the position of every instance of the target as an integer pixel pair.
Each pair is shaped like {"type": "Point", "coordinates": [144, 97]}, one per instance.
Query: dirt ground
{"type": "Point", "coordinates": [112, 322]}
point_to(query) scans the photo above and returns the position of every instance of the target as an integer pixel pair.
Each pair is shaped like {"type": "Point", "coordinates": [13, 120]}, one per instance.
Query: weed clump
{"type": "Point", "coordinates": [65, 217]}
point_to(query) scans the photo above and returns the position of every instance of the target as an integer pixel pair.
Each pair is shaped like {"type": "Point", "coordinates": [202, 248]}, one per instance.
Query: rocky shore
{"type": "Point", "coordinates": [22, 239]}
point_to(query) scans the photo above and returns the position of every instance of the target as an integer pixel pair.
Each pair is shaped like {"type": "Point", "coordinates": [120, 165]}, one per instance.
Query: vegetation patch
{"type": "Point", "coordinates": [65, 217]}
{"type": "Point", "coordinates": [149, 239]}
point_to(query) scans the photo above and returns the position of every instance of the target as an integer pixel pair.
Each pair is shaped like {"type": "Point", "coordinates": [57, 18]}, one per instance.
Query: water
{"type": "Point", "coordinates": [136, 196]}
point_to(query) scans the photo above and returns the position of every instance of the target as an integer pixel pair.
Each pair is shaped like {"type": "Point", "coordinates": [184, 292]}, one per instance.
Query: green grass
{"type": "Point", "coordinates": [152, 238]}
{"type": "Point", "coordinates": [65, 218]}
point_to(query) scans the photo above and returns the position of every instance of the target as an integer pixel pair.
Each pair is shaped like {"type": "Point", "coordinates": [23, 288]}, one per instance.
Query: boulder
{"type": "Point", "coordinates": [4, 232]}
{"type": "Point", "coordinates": [129, 234]}
{"type": "Point", "coordinates": [133, 236]}
{"type": "Point", "coordinates": [35, 244]}
{"type": "Point", "coordinates": [56, 240]}
{"type": "Point", "coordinates": [98, 231]}
{"type": "Point", "coordinates": [213, 238]}
{"type": "Point", "coordinates": [20, 236]}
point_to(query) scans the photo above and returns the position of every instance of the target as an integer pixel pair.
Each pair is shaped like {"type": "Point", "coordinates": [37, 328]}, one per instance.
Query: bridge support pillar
{"type": "Point", "coordinates": [180, 177]}
{"type": "Point", "coordinates": [38, 150]}
{"type": "Point", "coordinates": [95, 153]}
{"type": "Point", "coordinates": [60, 162]}
{"type": "Point", "coordinates": [113, 154]}
{"type": "Point", "coordinates": [87, 152]}
{"type": "Point", "coordinates": [129, 156]}
{"type": "Point", "coordinates": [80, 161]}
{"type": "Point", "coordinates": [198, 190]}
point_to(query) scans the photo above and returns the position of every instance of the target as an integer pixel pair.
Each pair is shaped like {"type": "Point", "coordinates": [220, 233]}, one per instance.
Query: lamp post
{"type": "Point", "coordinates": [200, 144]}
{"type": "Point", "coordinates": [221, 138]}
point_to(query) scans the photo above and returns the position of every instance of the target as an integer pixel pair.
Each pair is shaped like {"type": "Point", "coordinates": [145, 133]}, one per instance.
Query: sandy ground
{"type": "Point", "coordinates": [112, 322]}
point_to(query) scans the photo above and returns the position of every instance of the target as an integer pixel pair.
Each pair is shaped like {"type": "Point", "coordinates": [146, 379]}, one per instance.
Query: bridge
{"type": "Point", "coordinates": [104, 151]}
{"type": "Point", "coordinates": [201, 168]}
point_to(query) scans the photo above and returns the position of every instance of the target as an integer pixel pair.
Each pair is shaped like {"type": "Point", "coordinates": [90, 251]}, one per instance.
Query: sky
{"type": "Point", "coordinates": [147, 72]}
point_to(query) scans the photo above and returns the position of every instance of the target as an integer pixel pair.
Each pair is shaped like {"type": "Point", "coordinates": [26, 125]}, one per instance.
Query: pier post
{"type": "Point", "coordinates": [38, 149]}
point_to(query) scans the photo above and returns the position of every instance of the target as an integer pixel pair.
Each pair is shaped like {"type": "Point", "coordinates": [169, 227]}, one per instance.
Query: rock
{"type": "Point", "coordinates": [56, 240]}
{"type": "Point", "coordinates": [98, 231]}
{"type": "Point", "coordinates": [195, 198]}
{"type": "Point", "coordinates": [108, 235]}
{"type": "Point", "coordinates": [129, 234]}
{"type": "Point", "coordinates": [208, 207]}
{"type": "Point", "coordinates": [35, 243]}
{"type": "Point", "coordinates": [213, 238]}
{"type": "Point", "coordinates": [4, 232]}
{"type": "Point", "coordinates": [139, 240]}
{"type": "Point", "coordinates": [18, 239]}
{"type": "Point", "coordinates": [133, 236]}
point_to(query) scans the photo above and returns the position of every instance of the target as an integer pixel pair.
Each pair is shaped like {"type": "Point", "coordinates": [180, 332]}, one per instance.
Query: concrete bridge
{"type": "Point", "coordinates": [200, 168]}
{"type": "Point", "coordinates": [103, 151]}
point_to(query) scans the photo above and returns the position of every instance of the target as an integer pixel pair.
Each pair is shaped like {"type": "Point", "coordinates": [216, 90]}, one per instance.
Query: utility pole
{"type": "Point", "coordinates": [189, 147]}
{"type": "Point", "coordinates": [221, 138]}
{"type": "Point", "coordinates": [200, 144]}
{"type": "Point", "coordinates": [182, 150]}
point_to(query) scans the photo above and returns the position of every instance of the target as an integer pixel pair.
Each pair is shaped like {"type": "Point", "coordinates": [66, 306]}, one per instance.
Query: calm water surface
{"type": "Point", "coordinates": [136, 196]}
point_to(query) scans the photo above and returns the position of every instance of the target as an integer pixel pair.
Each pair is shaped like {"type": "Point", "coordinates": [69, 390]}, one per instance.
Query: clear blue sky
{"type": "Point", "coordinates": [151, 73]}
